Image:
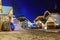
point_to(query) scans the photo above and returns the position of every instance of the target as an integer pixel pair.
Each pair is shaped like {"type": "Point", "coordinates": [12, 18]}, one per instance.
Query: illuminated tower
{"type": "Point", "coordinates": [0, 6]}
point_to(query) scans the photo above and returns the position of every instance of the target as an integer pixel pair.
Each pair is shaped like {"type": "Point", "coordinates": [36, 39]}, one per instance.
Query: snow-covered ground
{"type": "Point", "coordinates": [29, 35]}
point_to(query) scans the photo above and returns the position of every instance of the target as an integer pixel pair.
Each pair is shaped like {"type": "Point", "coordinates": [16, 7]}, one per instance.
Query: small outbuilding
{"type": "Point", "coordinates": [53, 19]}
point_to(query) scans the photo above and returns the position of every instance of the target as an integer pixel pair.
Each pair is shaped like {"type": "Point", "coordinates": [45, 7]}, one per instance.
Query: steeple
{"type": "Point", "coordinates": [0, 6]}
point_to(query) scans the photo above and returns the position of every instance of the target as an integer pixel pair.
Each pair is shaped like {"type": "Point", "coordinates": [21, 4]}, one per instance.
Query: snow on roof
{"type": "Point", "coordinates": [5, 9]}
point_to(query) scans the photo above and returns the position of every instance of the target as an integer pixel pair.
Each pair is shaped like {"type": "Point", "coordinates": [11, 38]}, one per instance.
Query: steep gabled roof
{"type": "Point", "coordinates": [41, 18]}
{"type": "Point", "coordinates": [22, 18]}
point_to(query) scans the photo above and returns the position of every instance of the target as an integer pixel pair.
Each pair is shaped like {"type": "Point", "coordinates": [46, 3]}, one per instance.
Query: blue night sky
{"type": "Point", "coordinates": [31, 8]}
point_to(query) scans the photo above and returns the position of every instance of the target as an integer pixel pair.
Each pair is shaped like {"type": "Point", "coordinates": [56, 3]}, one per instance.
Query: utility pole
{"type": "Point", "coordinates": [0, 6]}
